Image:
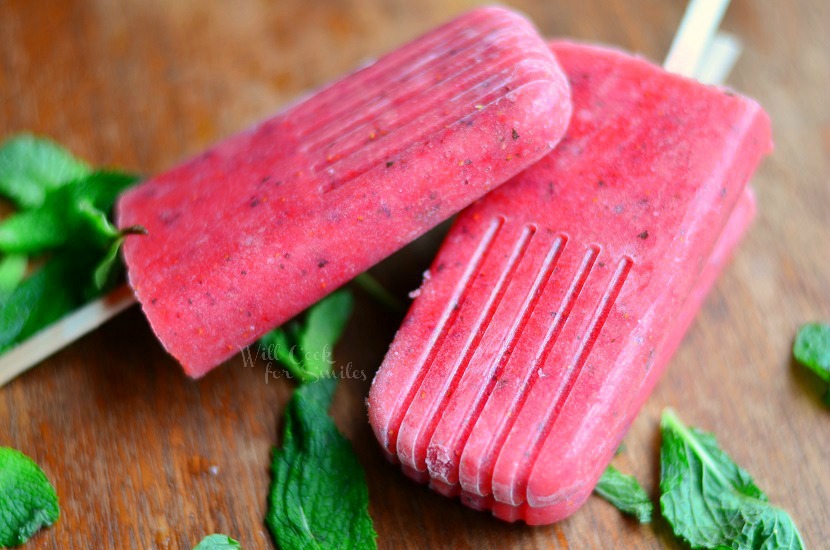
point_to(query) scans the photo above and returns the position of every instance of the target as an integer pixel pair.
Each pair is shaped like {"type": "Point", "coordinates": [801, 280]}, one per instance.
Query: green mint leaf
{"type": "Point", "coordinates": [625, 493]}
{"type": "Point", "coordinates": [709, 501]}
{"type": "Point", "coordinates": [318, 496]}
{"type": "Point", "coordinates": [95, 221]}
{"type": "Point", "coordinates": [325, 322]}
{"type": "Point", "coordinates": [75, 215]}
{"type": "Point", "coordinates": [281, 344]}
{"type": "Point", "coordinates": [92, 201]}
{"type": "Point", "coordinates": [12, 270]}
{"type": "Point", "coordinates": [28, 502]}
{"type": "Point", "coordinates": [304, 346]}
{"type": "Point", "coordinates": [33, 231]}
{"type": "Point", "coordinates": [30, 167]}
{"type": "Point", "coordinates": [44, 297]}
{"type": "Point", "coordinates": [102, 188]}
{"type": "Point", "coordinates": [812, 349]}
{"type": "Point", "coordinates": [218, 542]}
{"type": "Point", "coordinates": [108, 266]}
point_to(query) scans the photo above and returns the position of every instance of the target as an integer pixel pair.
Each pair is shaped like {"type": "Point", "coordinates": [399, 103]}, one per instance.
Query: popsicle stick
{"type": "Point", "coordinates": [719, 59]}
{"type": "Point", "coordinates": [62, 333]}
{"type": "Point", "coordinates": [694, 36]}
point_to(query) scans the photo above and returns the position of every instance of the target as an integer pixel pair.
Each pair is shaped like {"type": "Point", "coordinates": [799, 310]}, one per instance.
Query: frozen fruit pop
{"type": "Point", "coordinates": [262, 225]}
{"type": "Point", "coordinates": [556, 299]}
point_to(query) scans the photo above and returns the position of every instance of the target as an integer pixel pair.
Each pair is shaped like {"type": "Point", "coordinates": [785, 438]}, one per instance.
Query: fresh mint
{"type": "Point", "coordinates": [625, 493]}
{"type": "Point", "coordinates": [812, 349]}
{"type": "Point", "coordinates": [76, 215]}
{"type": "Point", "coordinates": [304, 345]}
{"type": "Point", "coordinates": [50, 293]}
{"type": "Point", "coordinates": [63, 227]}
{"type": "Point", "coordinates": [318, 496]}
{"type": "Point", "coordinates": [31, 167]}
{"type": "Point", "coordinates": [709, 501]}
{"type": "Point", "coordinates": [28, 502]}
{"type": "Point", "coordinates": [218, 542]}
{"type": "Point", "coordinates": [107, 268]}
{"type": "Point", "coordinates": [12, 271]}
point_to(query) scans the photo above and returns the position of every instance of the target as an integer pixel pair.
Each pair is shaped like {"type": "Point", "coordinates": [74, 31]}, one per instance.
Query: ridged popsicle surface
{"type": "Point", "coordinates": [556, 299]}
{"type": "Point", "coordinates": [262, 225]}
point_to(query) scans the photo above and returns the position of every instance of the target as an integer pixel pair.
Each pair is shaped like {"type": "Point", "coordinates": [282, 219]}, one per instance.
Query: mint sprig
{"type": "Point", "coordinates": [12, 271]}
{"type": "Point", "coordinates": [28, 502]}
{"type": "Point", "coordinates": [63, 227]}
{"type": "Point", "coordinates": [625, 493]}
{"type": "Point", "coordinates": [318, 496]}
{"type": "Point", "coordinates": [709, 501]}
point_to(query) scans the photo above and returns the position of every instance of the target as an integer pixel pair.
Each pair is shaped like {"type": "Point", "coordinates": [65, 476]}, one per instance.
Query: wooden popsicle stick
{"type": "Point", "coordinates": [696, 51]}
{"type": "Point", "coordinates": [60, 334]}
{"type": "Point", "coordinates": [719, 59]}
{"type": "Point", "coordinates": [699, 24]}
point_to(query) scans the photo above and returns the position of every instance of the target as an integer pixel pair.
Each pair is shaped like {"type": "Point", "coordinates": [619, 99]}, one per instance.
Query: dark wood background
{"type": "Point", "coordinates": [144, 458]}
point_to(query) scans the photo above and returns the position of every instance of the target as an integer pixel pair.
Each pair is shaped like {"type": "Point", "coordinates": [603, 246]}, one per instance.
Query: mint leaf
{"type": "Point", "coordinates": [626, 493]}
{"type": "Point", "coordinates": [28, 502]}
{"type": "Point", "coordinates": [218, 542]}
{"type": "Point", "coordinates": [304, 345]}
{"type": "Point", "coordinates": [75, 215]}
{"type": "Point", "coordinates": [33, 231]}
{"type": "Point", "coordinates": [318, 496]}
{"type": "Point", "coordinates": [324, 325]}
{"type": "Point", "coordinates": [103, 274]}
{"type": "Point", "coordinates": [709, 501]}
{"type": "Point", "coordinates": [47, 295]}
{"type": "Point", "coordinates": [12, 271]}
{"type": "Point", "coordinates": [93, 199]}
{"type": "Point", "coordinates": [812, 349]}
{"type": "Point", "coordinates": [281, 344]}
{"type": "Point", "coordinates": [30, 167]}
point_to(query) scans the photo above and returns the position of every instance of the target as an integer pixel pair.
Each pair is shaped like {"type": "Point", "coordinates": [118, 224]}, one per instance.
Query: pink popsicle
{"type": "Point", "coordinates": [248, 234]}
{"type": "Point", "coordinates": [552, 305]}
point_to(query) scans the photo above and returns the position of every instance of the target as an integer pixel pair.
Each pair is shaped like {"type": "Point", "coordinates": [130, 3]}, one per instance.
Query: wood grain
{"type": "Point", "coordinates": [144, 458]}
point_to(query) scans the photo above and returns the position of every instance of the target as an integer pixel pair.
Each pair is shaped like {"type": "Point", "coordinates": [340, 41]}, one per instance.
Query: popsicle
{"type": "Point", "coordinates": [251, 232]}
{"type": "Point", "coordinates": [556, 301]}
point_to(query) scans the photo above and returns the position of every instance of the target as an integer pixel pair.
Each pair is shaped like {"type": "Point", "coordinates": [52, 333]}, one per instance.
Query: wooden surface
{"type": "Point", "coordinates": [144, 458]}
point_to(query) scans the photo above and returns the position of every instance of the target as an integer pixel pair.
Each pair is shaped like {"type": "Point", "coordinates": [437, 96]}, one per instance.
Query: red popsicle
{"type": "Point", "coordinates": [248, 234]}
{"type": "Point", "coordinates": [556, 300]}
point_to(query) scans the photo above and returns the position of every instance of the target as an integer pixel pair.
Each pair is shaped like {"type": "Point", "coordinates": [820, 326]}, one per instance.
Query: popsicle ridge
{"type": "Point", "coordinates": [370, 144]}
{"type": "Point", "coordinates": [440, 451]}
{"type": "Point", "coordinates": [429, 410]}
{"type": "Point", "coordinates": [450, 38]}
{"type": "Point", "coordinates": [471, 407]}
{"type": "Point", "coordinates": [448, 64]}
{"type": "Point", "coordinates": [514, 491]}
{"type": "Point", "coordinates": [388, 432]}
{"type": "Point", "coordinates": [251, 232]}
